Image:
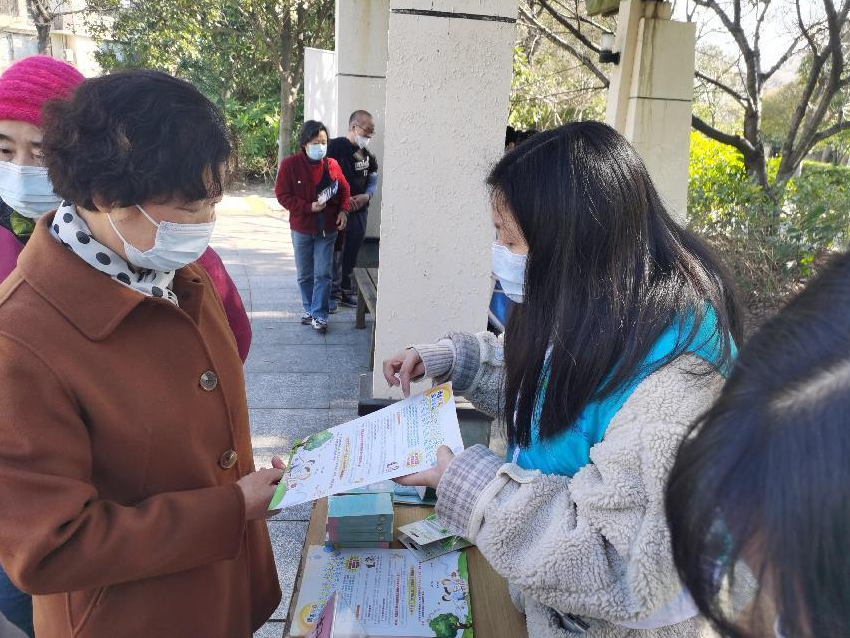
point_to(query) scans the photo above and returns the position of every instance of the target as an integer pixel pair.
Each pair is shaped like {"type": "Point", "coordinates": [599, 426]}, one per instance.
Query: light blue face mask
{"type": "Point", "coordinates": [510, 269]}
{"type": "Point", "coordinates": [27, 189]}
{"type": "Point", "coordinates": [316, 151]}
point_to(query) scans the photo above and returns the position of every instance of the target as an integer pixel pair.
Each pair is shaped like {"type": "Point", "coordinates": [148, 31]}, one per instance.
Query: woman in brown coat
{"type": "Point", "coordinates": [131, 507]}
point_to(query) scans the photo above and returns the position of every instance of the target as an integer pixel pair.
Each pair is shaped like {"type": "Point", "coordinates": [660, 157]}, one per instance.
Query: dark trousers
{"type": "Point", "coordinates": [355, 232]}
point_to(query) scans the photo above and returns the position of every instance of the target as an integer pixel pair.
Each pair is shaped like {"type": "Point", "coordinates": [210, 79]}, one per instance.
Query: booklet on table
{"type": "Point", "coordinates": [390, 592]}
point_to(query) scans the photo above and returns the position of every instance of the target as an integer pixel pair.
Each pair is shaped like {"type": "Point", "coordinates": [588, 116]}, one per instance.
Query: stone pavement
{"type": "Point", "coordinates": [298, 381]}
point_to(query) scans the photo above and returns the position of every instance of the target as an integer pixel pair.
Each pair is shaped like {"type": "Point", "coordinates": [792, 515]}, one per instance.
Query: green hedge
{"type": "Point", "coordinates": [255, 126]}
{"type": "Point", "coordinates": [770, 246]}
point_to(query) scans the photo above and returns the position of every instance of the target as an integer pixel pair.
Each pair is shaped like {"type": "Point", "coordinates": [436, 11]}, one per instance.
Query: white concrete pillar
{"type": "Point", "coordinates": [651, 94]}
{"type": "Point", "coordinates": [448, 86]}
{"type": "Point", "coordinates": [361, 59]}
{"type": "Point", "coordinates": [320, 89]}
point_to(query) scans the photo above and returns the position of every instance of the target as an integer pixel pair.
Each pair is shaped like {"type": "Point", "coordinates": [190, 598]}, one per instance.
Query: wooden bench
{"type": "Point", "coordinates": [367, 300]}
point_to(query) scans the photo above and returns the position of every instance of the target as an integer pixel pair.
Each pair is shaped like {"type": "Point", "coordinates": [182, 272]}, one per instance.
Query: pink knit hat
{"type": "Point", "coordinates": [29, 83]}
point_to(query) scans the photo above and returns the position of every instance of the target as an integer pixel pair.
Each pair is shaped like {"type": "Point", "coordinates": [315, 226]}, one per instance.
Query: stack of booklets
{"type": "Point", "coordinates": [360, 520]}
{"type": "Point", "coordinates": [402, 494]}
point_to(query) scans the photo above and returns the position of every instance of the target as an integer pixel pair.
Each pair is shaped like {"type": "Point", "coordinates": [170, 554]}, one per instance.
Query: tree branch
{"type": "Point", "coordinates": [835, 129]}
{"type": "Point", "coordinates": [575, 31]}
{"type": "Point", "coordinates": [750, 56]}
{"type": "Point", "coordinates": [782, 60]}
{"type": "Point", "coordinates": [555, 38]}
{"type": "Point", "coordinates": [804, 30]}
{"type": "Point", "coordinates": [723, 87]}
{"type": "Point", "coordinates": [735, 141]}
{"type": "Point", "coordinates": [799, 141]}
{"type": "Point", "coordinates": [834, 50]}
{"type": "Point", "coordinates": [759, 22]}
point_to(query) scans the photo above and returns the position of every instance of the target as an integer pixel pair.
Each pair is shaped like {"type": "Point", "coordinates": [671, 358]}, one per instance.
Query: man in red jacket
{"type": "Point", "coordinates": [313, 189]}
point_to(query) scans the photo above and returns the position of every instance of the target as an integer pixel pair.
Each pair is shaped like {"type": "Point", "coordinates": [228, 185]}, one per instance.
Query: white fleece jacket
{"type": "Point", "coordinates": [595, 546]}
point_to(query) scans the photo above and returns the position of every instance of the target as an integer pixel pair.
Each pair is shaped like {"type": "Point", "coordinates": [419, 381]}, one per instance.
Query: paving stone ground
{"type": "Point", "coordinates": [297, 380]}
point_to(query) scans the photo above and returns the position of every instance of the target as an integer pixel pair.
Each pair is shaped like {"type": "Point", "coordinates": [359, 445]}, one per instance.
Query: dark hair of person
{"type": "Point", "coordinates": [607, 272]}
{"type": "Point", "coordinates": [764, 478]}
{"type": "Point", "coordinates": [357, 115]}
{"type": "Point", "coordinates": [510, 136]}
{"type": "Point", "coordinates": [309, 130]}
{"type": "Point", "coordinates": [135, 136]}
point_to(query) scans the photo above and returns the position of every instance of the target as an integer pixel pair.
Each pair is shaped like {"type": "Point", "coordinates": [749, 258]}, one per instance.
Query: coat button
{"type": "Point", "coordinates": [228, 459]}
{"type": "Point", "coordinates": [209, 380]}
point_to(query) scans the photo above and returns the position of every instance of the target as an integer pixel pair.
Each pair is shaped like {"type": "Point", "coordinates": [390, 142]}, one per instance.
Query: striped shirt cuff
{"type": "Point", "coordinates": [438, 358]}
{"type": "Point", "coordinates": [462, 484]}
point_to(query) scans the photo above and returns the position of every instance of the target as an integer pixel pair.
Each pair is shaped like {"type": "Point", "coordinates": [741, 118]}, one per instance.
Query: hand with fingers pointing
{"type": "Point", "coordinates": [402, 368]}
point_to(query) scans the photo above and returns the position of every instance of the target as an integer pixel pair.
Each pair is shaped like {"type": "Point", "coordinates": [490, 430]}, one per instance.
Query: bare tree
{"type": "Point", "coordinates": [822, 40]}
{"type": "Point", "coordinates": [580, 30]}
{"type": "Point", "coordinates": [43, 13]}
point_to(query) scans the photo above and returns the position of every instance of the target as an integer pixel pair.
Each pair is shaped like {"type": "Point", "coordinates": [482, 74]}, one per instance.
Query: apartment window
{"type": "Point", "coordinates": [23, 45]}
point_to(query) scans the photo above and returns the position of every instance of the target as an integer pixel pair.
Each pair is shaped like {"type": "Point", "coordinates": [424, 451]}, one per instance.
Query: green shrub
{"type": "Point", "coordinates": [771, 246]}
{"type": "Point", "coordinates": [255, 126]}
{"type": "Point", "coordinates": [817, 211]}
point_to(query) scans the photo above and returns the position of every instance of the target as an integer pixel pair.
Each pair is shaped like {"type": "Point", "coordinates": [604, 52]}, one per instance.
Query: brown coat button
{"type": "Point", "coordinates": [228, 459]}
{"type": "Point", "coordinates": [209, 380]}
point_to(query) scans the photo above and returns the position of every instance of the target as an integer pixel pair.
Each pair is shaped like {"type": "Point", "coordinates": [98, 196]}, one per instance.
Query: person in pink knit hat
{"type": "Point", "coordinates": [25, 195]}
{"type": "Point", "coordinates": [26, 191]}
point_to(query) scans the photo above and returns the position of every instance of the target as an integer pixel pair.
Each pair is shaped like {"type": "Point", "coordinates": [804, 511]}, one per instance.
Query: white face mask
{"type": "Point", "coordinates": [316, 151]}
{"type": "Point", "coordinates": [362, 141]}
{"type": "Point", "coordinates": [510, 269]}
{"type": "Point", "coordinates": [175, 246]}
{"type": "Point", "coordinates": [28, 190]}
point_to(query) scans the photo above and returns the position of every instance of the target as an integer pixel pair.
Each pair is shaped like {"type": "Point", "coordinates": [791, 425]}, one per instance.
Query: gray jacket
{"type": "Point", "coordinates": [595, 546]}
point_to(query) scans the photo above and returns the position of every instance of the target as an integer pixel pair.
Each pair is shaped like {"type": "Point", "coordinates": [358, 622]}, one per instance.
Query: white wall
{"type": "Point", "coordinates": [320, 92]}
{"type": "Point", "coordinates": [448, 85]}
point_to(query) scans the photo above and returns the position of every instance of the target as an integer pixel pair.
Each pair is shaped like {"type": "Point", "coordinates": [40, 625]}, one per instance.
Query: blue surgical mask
{"type": "Point", "coordinates": [175, 246]}
{"type": "Point", "coordinates": [27, 189]}
{"type": "Point", "coordinates": [510, 269]}
{"type": "Point", "coordinates": [316, 151]}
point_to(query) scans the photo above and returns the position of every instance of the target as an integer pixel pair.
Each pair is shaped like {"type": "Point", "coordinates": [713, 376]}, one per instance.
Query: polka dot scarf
{"type": "Point", "coordinates": [70, 229]}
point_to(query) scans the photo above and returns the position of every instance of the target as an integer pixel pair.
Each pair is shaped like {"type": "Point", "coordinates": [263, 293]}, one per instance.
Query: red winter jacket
{"type": "Point", "coordinates": [295, 189]}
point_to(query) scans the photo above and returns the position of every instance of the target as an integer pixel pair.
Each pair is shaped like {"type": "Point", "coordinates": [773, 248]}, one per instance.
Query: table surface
{"type": "Point", "coordinates": [493, 613]}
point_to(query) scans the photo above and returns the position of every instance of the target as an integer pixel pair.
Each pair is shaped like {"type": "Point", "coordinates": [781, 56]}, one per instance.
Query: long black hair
{"type": "Point", "coordinates": [761, 490]}
{"type": "Point", "coordinates": [608, 271]}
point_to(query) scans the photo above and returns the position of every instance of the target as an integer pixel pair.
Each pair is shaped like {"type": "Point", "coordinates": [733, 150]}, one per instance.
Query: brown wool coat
{"type": "Point", "coordinates": [119, 418]}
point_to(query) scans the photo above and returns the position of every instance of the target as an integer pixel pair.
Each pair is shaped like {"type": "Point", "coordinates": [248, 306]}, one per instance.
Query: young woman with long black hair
{"type": "Point", "coordinates": [759, 498]}
{"type": "Point", "coordinates": [625, 328]}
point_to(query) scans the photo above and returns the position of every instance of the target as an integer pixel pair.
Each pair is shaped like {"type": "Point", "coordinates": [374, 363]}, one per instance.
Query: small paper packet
{"type": "Point", "coordinates": [427, 539]}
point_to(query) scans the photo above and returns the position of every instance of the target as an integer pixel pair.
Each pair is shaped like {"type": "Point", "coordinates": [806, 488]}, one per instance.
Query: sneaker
{"type": "Point", "coordinates": [306, 319]}
{"type": "Point", "coordinates": [348, 300]}
{"type": "Point", "coordinates": [320, 325]}
{"type": "Point", "coordinates": [332, 306]}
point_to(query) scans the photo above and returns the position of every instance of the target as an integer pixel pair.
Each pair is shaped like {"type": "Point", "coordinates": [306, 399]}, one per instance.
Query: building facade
{"type": "Point", "coordinates": [70, 39]}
